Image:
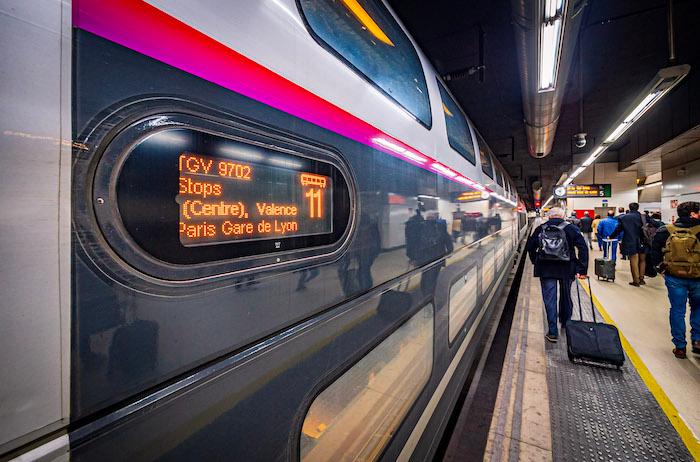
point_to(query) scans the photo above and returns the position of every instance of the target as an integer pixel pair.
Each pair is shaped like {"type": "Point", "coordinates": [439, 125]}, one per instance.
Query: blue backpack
{"type": "Point", "coordinates": [553, 243]}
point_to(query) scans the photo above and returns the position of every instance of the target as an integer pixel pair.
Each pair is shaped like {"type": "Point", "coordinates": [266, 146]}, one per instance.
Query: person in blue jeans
{"type": "Point", "coordinates": [559, 273]}
{"type": "Point", "coordinates": [605, 228]}
{"type": "Point", "coordinates": [682, 275]}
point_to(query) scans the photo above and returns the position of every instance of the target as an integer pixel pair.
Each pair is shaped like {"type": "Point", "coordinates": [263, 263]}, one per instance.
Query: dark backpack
{"type": "Point", "coordinates": [553, 243]}
{"type": "Point", "coordinates": [649, 229]}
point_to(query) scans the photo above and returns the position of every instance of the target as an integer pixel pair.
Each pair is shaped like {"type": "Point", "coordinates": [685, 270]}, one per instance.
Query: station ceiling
{"type": "Point", "coordinates": [621, 46]}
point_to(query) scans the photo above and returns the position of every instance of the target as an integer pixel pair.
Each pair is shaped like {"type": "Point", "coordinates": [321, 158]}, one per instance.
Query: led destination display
{"type": "Point", "coordinates": [224, 199]}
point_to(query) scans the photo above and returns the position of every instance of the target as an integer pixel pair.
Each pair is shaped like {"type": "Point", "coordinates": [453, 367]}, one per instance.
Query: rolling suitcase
{"type": "Point", "coordinates": [605, 267]}
{"type": "Point", "coordinates": [594, 342]}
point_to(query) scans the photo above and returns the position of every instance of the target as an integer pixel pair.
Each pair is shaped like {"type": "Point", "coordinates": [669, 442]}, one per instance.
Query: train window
{"type": "Point", "coordinates": [364, 34]}
{"type": "Point", "coordinates": [356, 416]}
{"type": "Point", "coordinates": [188, 196]}
{"type": "Point", "coordinates": [488, 269]}
{"type": "Point", "coordinates": [457, 129]}
{"type": "Point", "coordinates": [499, 177]}
{"type": "Point", "coordinates": [485, 157]}
{"type": "Point", "coordinates": [462, 302]}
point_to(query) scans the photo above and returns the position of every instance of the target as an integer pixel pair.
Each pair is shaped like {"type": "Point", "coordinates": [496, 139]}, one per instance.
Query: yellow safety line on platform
{"type": "Point", "coordinates": [689, 439]}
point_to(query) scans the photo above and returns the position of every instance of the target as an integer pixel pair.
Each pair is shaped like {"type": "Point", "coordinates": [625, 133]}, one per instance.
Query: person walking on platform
{"type": "Point", "coordinates": [621, 213]}
{"type": "Point", "coordinates": [552, 249]}
{"type": "Point", "coordinates": [573, 219]}
{"type": "Point", "coordinates": [632, 242]}
{"type": "Point", "coordinates": [604, 229]}
{"type": "Point", "coordinates": [594, 227]}
{"type": "Point", "coordinates": [586, 226]}
{"type": "Point", "coordinates": [675, 251]}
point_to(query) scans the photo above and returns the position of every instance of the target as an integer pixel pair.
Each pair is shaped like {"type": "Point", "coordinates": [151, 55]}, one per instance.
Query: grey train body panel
{"type": "Point", "coordinates": [276, 347]}
{"type": "Point", "coordinates": [228, 359]}
{"type": "Point", "coordinates": [35, 156]}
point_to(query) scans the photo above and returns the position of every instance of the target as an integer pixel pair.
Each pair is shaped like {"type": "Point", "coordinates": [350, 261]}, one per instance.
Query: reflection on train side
{"type": "Point", "coordinates": [387, 247]}
{"type": "Point", "coordinates": [356, 416]}
{"type": "Point", "coordinates": [462, 301]}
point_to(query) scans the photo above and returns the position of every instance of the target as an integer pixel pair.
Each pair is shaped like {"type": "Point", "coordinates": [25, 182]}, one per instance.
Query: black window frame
{"type": "Point", "coordinates": [485, 150]}
{"type": "Point", "coordinates": [426, 124]}
{"type": "Point", "coordinates": [443, 88]}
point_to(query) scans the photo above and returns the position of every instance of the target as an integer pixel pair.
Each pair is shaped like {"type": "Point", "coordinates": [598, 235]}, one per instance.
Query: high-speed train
{"type": "Point", "coordinates": [237, 230]}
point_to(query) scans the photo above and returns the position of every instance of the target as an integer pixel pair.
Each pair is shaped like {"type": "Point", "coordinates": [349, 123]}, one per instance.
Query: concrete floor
{"type": "Point", "coordinates": [520, 428]}
{"type": "Point", "coordinates": [641, 314]}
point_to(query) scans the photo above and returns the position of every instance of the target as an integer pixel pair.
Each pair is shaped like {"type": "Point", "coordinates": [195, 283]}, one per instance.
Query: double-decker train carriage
{"type": "Point", "coordinates": [250, 230]}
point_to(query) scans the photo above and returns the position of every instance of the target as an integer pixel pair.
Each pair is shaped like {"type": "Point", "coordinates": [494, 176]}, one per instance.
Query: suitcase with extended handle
{"type": "Point", "coordinates": [605, 266]}
{"type": "Point", "coordinates": [594, 342]}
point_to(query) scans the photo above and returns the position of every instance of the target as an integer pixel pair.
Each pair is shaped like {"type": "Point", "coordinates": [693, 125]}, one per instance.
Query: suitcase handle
{"type": "Point", "coordinates": [578, 295]}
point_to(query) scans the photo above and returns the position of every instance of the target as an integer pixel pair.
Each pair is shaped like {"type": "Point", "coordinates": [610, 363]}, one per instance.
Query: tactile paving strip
{"type": "Point", "coordinates": [602, 414]}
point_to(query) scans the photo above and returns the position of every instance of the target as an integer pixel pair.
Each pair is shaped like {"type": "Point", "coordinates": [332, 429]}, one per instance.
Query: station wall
{"type": "Point", "coordinates": [624, 187]}
{"type": "Point", "coordinates": [680, 184]}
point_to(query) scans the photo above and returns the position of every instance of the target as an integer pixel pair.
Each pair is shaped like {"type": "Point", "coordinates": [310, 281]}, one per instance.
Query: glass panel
{"type": "Point", "coordinates": [462, 301]}
{"type": "Point", "coordinates": [365, 35]}
{"type": "Point", "coordinates": [457, 130]}
{"type": "Point", "coordinates": [356, 416]}
{"type": "Point", "coordinates": [499, 177]}
{"type": "Point", "coordinates": [487, 271]}
{"type": "Point", "coordinates": [484, 155]}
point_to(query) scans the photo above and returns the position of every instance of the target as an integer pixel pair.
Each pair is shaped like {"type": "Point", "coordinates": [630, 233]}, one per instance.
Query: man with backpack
{"type": "Point", "coordinates": [675, 251]}
{"type": "Point", "coordinates": [552, 249]}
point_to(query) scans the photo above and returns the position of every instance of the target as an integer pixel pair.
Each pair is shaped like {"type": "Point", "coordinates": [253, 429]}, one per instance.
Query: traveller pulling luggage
{"type": "Point", "coordinates": [605, 266]}
{"type": "Point", "coordinates": [595, 342]}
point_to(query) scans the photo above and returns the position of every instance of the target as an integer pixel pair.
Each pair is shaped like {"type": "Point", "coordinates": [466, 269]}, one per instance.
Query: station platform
{"type": "Point", "coordinates": [548, 408]}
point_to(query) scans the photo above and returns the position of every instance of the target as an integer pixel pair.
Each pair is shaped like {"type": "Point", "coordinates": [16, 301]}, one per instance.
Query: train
{"type": "Point", "coordinates": [243, 230]}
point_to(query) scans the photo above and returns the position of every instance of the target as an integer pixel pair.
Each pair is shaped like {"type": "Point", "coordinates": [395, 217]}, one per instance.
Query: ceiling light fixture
{"type": "Point", "coordinates": [663, 82]}
{"type": "Point", "coordinates": [551, 34]}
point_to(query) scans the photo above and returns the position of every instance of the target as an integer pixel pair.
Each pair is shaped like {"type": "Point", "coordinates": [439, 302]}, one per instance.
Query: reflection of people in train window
{"type": "Point", "coordinates": [436, 243]}
{"type": "Point", "coordinates": [355, 269]}
{"type": "Point", "coordinates": [495, 223]}
{"type": "Point", "coordinates": [482, 228]}
{"type": "Point", "coordinates": [413, 232]}
{"type": "Point", "coordinates": [307, 275]}
{"type": "Point", "coordinates": [457, 228]}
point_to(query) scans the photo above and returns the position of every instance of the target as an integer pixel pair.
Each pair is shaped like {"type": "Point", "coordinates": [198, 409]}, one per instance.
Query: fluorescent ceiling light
{"type": "Point", "coordinates": [551, 33]}
{"type": "Point", "coordinates": [663, 82]}
{"type": "Point", "coordinates": [594, 155]}
{"type": "Point", "coordinates": [641, 107]}
{"type": "Point", "coordinates": [617, 132]}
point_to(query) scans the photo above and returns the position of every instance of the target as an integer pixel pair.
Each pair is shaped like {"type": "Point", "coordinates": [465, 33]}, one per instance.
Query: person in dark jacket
{"type": "Point", "coordinates": [680, 289]}
{"type": "Point", "coordinates": [586, 226]}
{"type": "Point", "coordinates": [573, 219]}
{"type": "Point", "coordinates": [562, 273]}
{"type": "Point", "coordinates": [632, 242]}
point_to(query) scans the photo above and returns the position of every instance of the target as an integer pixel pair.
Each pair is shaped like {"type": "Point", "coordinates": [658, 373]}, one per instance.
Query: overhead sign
{"type": "Point", "coordinates": [583, 190]}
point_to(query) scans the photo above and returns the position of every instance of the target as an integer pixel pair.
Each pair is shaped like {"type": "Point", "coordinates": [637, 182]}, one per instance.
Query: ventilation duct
{"type": "Point", "coordinates": [545, 33]}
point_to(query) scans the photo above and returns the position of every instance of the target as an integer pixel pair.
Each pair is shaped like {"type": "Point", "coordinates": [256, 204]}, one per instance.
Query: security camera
{"type": "Point", "coordinates": [580, 139]}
